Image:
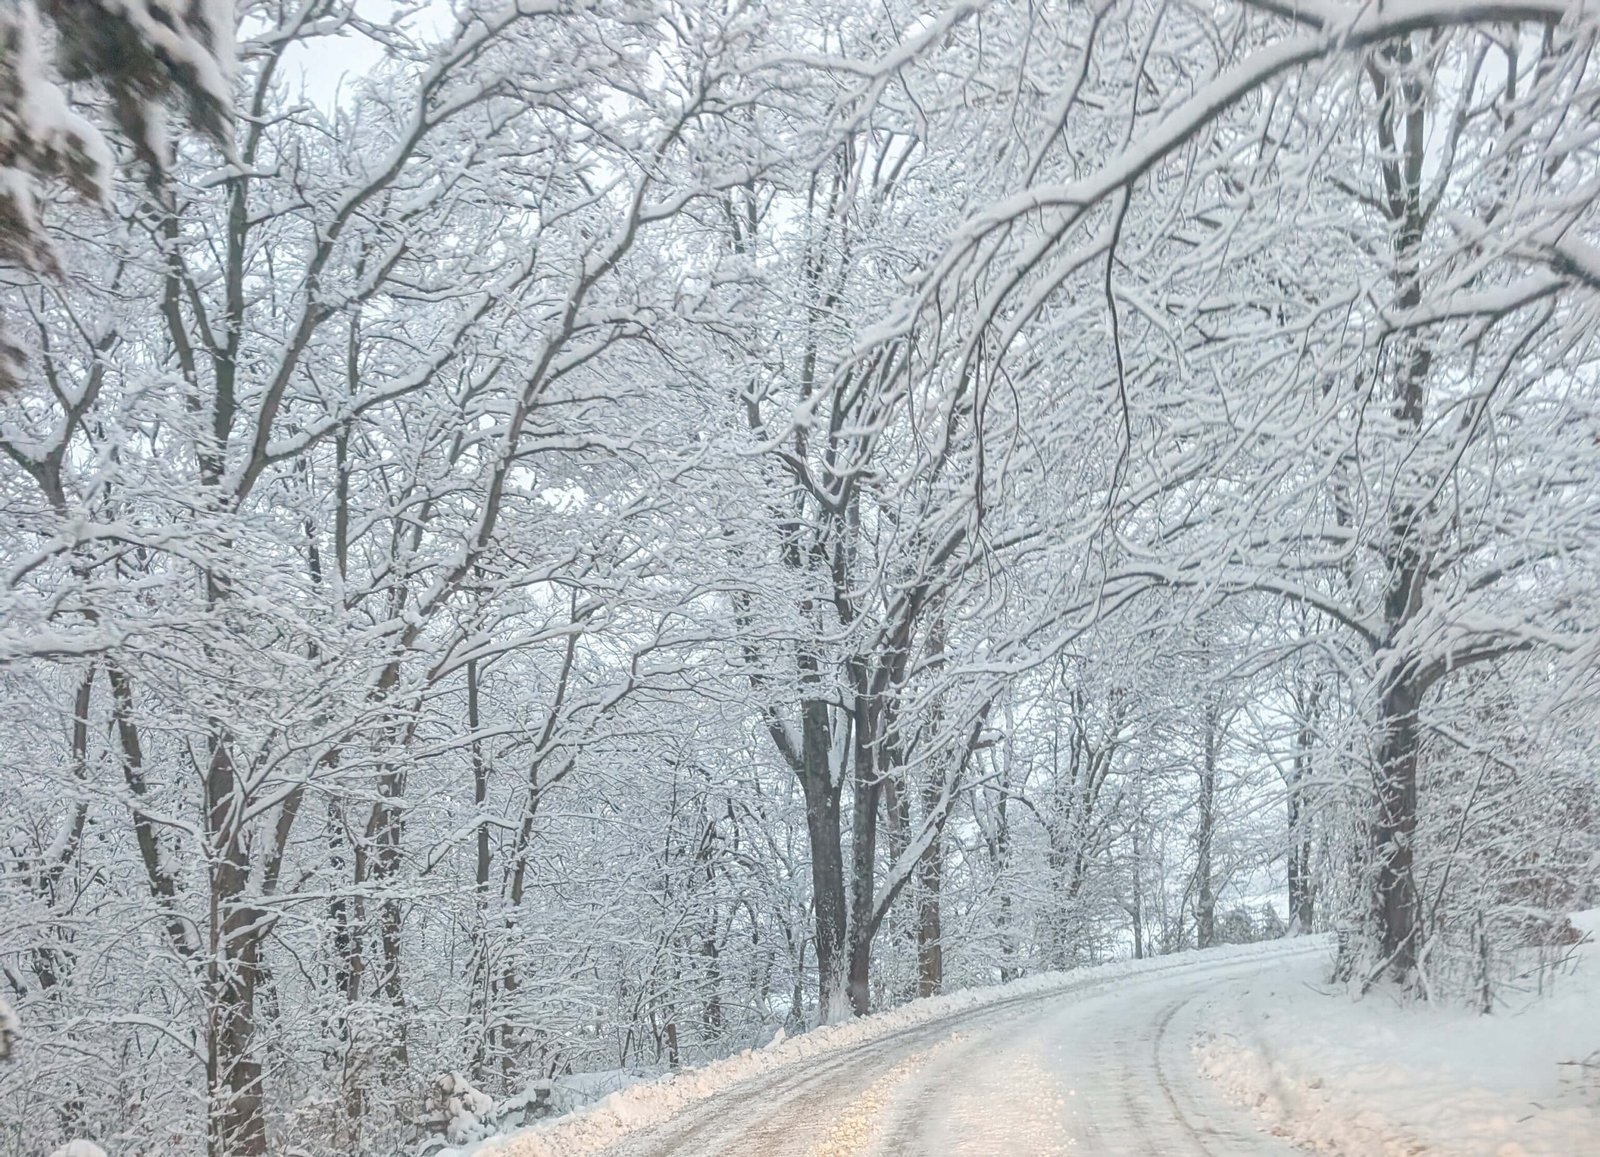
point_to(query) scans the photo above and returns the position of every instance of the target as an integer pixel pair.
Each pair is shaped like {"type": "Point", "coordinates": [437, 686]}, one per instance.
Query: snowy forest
{"type": "Point", "coordinates": [574, 535]}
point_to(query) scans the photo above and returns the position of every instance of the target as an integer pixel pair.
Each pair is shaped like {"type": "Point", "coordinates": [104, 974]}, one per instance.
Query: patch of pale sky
{"type": "Point", "coordinates": [321, 69]}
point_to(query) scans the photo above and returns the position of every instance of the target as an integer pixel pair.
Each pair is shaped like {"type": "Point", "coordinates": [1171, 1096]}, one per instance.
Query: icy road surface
{"type": "Point", "coordinates": [1098, 1068]}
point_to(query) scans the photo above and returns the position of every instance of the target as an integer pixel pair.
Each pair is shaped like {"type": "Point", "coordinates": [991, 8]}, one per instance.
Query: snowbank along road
{"type": "Point", "coordinates": [1102, 1066]}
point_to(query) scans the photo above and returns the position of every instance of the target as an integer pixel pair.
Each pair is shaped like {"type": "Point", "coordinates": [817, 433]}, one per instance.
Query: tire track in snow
{"type": "Point", "coordinates": [1183, 1108]}
{"type": "Point", "coordinates": [788, 1111]}
{"type": "Point", "coordinates": [858, 1129]}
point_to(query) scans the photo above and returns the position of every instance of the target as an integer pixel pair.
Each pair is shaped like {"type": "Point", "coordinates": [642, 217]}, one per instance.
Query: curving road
{"type": "Point", "coordinates": [1099, 1068]}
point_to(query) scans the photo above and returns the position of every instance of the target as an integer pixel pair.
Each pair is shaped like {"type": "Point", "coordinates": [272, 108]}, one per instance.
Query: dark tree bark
{"type": "Point", "coordinates": [827, 861]}
{"type": "Point", "coordinates": [867, 788]}
{"type": "Point", "coordinates": [1205, 904]}
{"type": "Point", "coordinates": [930, 943]}
{"type": "Point", "coordinates": [1398, 905]}
{"type": "Point", "coordinates": [1302, 897]}
{"type": "Point", "coordinates": [236, 1117]}
{"type": "Point", "coordinates": [1402, 131]}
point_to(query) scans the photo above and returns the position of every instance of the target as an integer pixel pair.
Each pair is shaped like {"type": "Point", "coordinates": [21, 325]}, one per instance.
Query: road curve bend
{"type": "Point", "coordinates": [1098, 1068]}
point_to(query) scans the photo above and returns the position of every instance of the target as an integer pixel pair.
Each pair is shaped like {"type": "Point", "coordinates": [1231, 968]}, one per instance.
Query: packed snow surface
{"type": "Point", "coordinates": [883, 1070]}
{"type": "Point", "coordinates": [1377, 1077]}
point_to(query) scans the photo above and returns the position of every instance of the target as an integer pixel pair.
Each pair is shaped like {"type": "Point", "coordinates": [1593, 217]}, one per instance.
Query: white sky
{"type": "Point", "coordinates": [320, 69]}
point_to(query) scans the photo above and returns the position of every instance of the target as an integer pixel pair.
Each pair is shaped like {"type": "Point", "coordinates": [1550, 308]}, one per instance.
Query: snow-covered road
{"type": "Point", "coordinates": [1101, 1067]}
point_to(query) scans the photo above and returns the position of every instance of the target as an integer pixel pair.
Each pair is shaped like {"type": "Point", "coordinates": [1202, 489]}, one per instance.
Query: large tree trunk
{"type": "Point", "coordinates": [827, 862]}
{"type": "Point", "coordinates": [1399, 82]}
{"type": "Point", "coordinates": [382, 845]}
{"type": "Point", "coordinates": [863, 858]}
{"type": "Point", "coordinates": [1398, 906]}
{"type": "Point", "coordinates": [898, 819]}
{"type": "Point", "coordinates": [867, 788]}
{"type": "Point", "coordinates": [236, 1117]}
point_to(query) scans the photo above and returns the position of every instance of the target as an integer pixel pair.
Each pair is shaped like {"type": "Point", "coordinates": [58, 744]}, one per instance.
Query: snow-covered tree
{"type": "Point", "coordinates": [629, 527]}
{"type": "Point", "coordinates": [144, 57]}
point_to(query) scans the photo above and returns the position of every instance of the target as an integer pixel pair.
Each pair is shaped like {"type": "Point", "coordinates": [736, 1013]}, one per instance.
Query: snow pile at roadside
{"type": "Point", "coordinates": [1371, 1078]}
{"type": "Point", "coordinates": [595, 1127]}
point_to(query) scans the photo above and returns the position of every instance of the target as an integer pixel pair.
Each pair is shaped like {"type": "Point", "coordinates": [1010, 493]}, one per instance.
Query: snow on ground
{"type": "Point", "coordinates": [1373, 1078]}
{"type": "Point", "coordinates": [602, 1124]}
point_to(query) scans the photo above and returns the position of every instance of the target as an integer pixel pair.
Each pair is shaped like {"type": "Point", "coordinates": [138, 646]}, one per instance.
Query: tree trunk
{"type": "Point", "coordinates": [236, 1122]}
{"type": "Point", "coordinates": [897, 818]}
{"type": "Point", "coordinates": [863, 856]}
{"type": "Point", "coordinates": [827, 863]}
{"type": "Point", "coordinates": [1009, 969]}
{"type": "Point", "coordinates": [1301, 898]}
{"type": "Point", "coordinates": [1205, 905]}
{"type": "Point", "coordinates": [930, 950]}
{"type": "Point", "coordinates": [1398, 907]}
{"type": "Point", "coordinates": [867, 787]}
{"type": "Point", "coordinates": [1402, 130]}
{"type": "Point", "coordinates": [384, 832]}
{"type": "Point", "coordinates": [1137, 908]}
{"type": "Point", "coordinates": [344, 918]}
{"type": "Point", "coordinates": [236, 1118]}
{"type": "Point", "coordinates": [1061, 833]}
{"type": "Point", "coordinates": [480, 786]}
{"type": "Point", "coordinates": [712, 1018]}
{"type": "Point", "coordinates": [1302, 903]}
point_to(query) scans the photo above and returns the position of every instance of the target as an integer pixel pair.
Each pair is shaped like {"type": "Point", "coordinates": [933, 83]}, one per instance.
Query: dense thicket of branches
{"type": "Point", "coordinates": [631, 526]}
